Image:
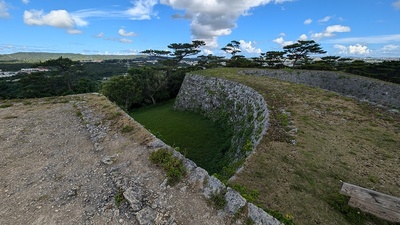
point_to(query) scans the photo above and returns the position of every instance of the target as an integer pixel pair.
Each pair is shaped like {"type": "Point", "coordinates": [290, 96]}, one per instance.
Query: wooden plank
{"type": "Point", "coordinates": [375, 209]}
{"type": "Point", "coordinates": [385, 200]}
{"type": "Point", "coordinates": [376, 203]}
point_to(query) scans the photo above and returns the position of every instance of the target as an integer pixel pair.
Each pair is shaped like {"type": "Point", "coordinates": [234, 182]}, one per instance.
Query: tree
{"type": "Point", "coordinates": [209, 61]}
{"type": "Point", "coordinates": [122, 90]}
{"type": "Point", "coordinates": [181, 50]}
{"type": "Point", "coordinates": [66, 68]}
{"type": "Point", "coordinates": [301, 50]}
{"type": "Point", "coordinates": [232, 48]}
{"type": "Point", "coordinates": [151, 82]}
{"type": "Point", "coordinates": [157, 53]}
{"type": "Point", "coordinates": [275, 58]}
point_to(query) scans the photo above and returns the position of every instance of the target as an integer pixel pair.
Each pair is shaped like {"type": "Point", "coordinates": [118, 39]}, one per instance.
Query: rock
{"type": "Point", "coordinates": [108, 159]}
{"type": "Point", "coordinates": [234, 201]}
{"type": "Point", "coordinates": [213, 185]}
{"type": "Point", "coordinates": [260, 217]}
{"type": "Point", "coordinates": [134, 197]}
{"type": "Point", "coordinates": [146, 216]}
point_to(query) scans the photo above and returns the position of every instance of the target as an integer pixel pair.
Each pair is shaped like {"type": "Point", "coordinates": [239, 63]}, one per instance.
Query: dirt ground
{"type": "Point", "coordinates": [67, 160]}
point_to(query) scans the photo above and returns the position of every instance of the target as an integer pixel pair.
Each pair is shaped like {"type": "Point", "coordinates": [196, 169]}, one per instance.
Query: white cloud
{"type": "Point", "coordinates": [325, 19]}
{"type": "Point", "coordinates": [396, 5]}
{"type": "Point", "coordinates": [211, 18]}
{"type": "Point", "coordinates": [303, 37]}
{"type": "Point", "coordinates": [74, 31]}
{"type": "Point", "coordinates": [142, 9]}
{"type": "Point", "coordinates": [357, 49]}
{"type": "Point", "coordinates": [55, 18]}
{"type": "Point", "coordinates": [249, 48]}
{"type": "Point", "coordinates": [331, 30]}
{"type": "Point", "coordinates": [99, 35]}
{"type": "Point", "coordinates": [124, 40]}
{"type": "Point", "coordinates": [280, 41]}
{"type": "Point", "coordinates": [380, 39]}
{"type": "Point", "coordinates": [25, 1]}
{"type": "Point", "coordinates": [391, 48]}
{"type": "Point", "coordinates": [342, 49]}
{"type": "Point", "coordinates": [308, 21]}
{"type": "Point", "coordinates": [124, 33]}
{"type": "Point", "coordinates": [282, 34]}
{"type": "Point", "coordinates": [282, 1]}
{"type": "Point", "coordinates": [3, 10]}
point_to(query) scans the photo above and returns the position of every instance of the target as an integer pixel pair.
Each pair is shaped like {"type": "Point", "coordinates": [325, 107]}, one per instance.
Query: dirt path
{"type": "Point", "coordinates": [69, 160]}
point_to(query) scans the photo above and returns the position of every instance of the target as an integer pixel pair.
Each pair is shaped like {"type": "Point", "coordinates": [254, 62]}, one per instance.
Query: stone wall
{"type": "Point", "coordinates": [362, 88]}
{"type": "Point", "coordinates": [238, 108]}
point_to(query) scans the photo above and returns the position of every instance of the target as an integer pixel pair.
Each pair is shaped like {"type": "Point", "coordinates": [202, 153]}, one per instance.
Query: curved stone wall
{"type": "Point", "coordinates": [238, 108]}
{"type": "Point", "coordinates": [362, 88]}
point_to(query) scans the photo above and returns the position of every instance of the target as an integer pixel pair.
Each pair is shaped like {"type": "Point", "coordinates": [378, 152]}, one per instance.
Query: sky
{"type": "Point", "coordinates": [347, 28]}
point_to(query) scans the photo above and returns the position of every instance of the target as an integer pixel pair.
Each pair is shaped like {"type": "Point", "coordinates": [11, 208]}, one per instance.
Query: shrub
{"type": "Point", "coordinates": [218, 199]}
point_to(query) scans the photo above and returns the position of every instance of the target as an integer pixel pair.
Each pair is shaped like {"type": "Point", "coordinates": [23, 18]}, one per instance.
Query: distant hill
{"type": "Point", "coordinates": [44, 56]}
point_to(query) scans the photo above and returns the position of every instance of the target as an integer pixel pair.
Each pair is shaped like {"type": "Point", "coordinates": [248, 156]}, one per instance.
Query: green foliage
{"type": "Point", "coordinates": [122, 90]}
{"type": "Point", "coordinates": [173, 166]}
{"type": "Point", "coordinates": [127, 129]}
{"type": "Point", "coordinates": [249, 195]}
{"type": "Point", "coordinates": [119, 198]}
{"type": "Point", "coordinates": [218, 199]}
{"type": "Point", "coordinates": [6, 105]}
{"type": "Point", "coordinates": [151, 82]}
{"type": "Point", "coordinates": [200, 139]}
{"type": "Point", "coordinates": [301, 50]}
{"type": "Point", "coordinates": [285, 219]}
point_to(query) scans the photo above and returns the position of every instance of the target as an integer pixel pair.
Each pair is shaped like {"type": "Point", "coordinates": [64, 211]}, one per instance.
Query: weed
{"type": "Point", "coordinates": [5, 105]}
{"type": "Point", "coordinates": [249, 195]}
{"type": "Point", "coordinates": [218, 199]}
{"type": "Point", "coordinates": [113, 116]}
{"type": "Point", "coordinates": [127, 129]}
{"type": "Point", "coordinates": [173, 166]}
{"type": "Point", "coordinates": [249, 221]}
{"type": "Point", "coordinates": [286, 219]}
{"type": "Point", "coordinates": [119, 198]}
{"type": "Point", "coordinates": [78, 114]}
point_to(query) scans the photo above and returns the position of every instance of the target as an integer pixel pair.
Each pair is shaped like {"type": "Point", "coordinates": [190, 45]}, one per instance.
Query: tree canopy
{"type": "Point", "coordinates": [302, 49]}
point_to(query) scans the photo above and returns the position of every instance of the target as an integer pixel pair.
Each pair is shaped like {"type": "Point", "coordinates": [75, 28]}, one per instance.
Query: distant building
{"type": "Point", "coordinates": [33, 70]}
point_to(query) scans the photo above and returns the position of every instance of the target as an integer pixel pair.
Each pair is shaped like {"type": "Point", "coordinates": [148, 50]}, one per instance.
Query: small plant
{"type": "Point", "coordinates": [249, 221]}
{"type": "Point", "coordinates": [6, 105]}
{"type": "Point", "coordinates": [218, 199]}
{"type": "Point", "coordinates": [113, 116]}
{"type": "Point", "coordinates": [119, 198]}
{"type": "Point", "coordinates": [287, 219]}
{"type": "Point", "coordinates": [173, 166]}
{"type": "Point", "coordinates": [249, 195]}
{"type": "Point", "coordinates": [127, 129]}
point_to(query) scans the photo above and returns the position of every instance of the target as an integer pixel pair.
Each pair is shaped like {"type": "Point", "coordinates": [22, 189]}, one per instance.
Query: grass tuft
{"type": "Point", "coordinates": [173, 166]}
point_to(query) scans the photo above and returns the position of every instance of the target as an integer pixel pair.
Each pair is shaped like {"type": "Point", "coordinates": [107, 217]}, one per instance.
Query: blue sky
{"type": "Point", "coordinates": [361, 28]}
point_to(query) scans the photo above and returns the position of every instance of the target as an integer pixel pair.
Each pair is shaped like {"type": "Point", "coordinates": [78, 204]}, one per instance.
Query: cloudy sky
{"type": "Point", "coordinates": [364, 28]}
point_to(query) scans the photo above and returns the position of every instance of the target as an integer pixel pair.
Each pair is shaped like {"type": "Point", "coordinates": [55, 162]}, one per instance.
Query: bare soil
{"type": "Point", "coordinates": [67, 160]}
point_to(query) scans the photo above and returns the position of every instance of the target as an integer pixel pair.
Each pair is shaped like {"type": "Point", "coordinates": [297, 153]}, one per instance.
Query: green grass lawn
{"type": "Point", "coordinates": [197, 137]}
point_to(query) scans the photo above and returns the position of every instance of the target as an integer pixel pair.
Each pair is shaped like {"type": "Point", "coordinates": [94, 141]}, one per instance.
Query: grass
{"type": "Point", "coordinates": [173, 166]}
{"type": "Point", "coordinates": [195, 136]}
{"type": "Point", "coordinates": [338, 139]}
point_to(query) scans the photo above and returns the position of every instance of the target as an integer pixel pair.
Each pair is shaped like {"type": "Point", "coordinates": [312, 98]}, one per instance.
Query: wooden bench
{"type": "Point", "coordinates": [381, 205]}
